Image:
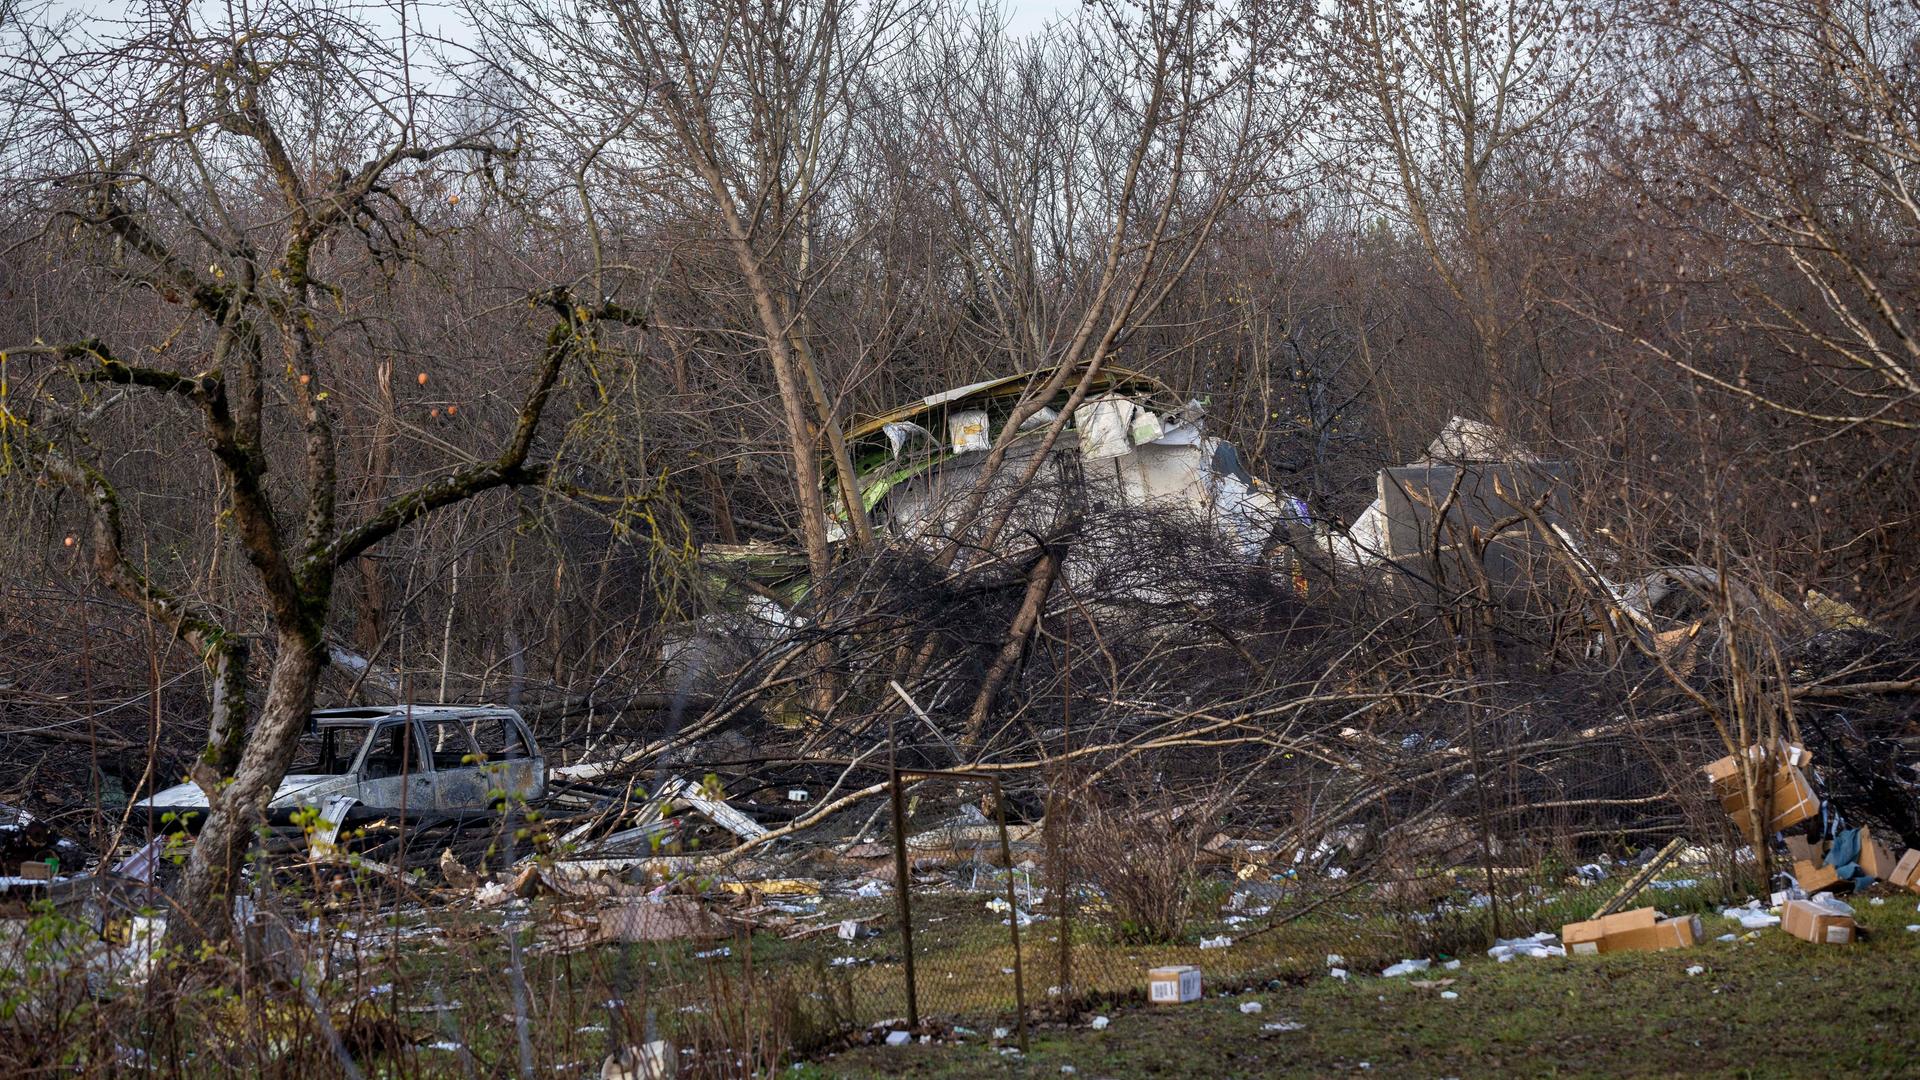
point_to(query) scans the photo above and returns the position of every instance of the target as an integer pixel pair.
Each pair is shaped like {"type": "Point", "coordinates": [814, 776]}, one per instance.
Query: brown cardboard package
{"type": "Point", "coordinates": [1724, 774]}
{"type": "Point", "coordinates": [1639, 930]}
{"type": "Point", "coordinates": [1823, 921]}
{"type": "Point", "coordinates": [1876, 858]}
{"type": "Point", "coordinates": [1173, 985]}
{"type": "Point", "coordinates": [1814, 876]}
{"type": "Point", "coordinates": [1793, 802]}
{"type": "Point", "coordinates": [1590, 937]}
{"type": "Point", "coordinates": [1678, 932]}
{"type": "Point", "coordinates": [1906, 872]}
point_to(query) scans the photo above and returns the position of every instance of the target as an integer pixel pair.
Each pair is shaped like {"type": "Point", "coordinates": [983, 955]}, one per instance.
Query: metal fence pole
{"type": "Point", "coordinates": [1013, 913]}
{"type": "Point", "coordinates": [900, 881]}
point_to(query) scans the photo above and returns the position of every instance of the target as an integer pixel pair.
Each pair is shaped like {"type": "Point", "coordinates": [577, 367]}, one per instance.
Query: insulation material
{"type": "Point", "coordinates": [967, 431]}
{"type": "Point", "coordinates": [1105, 428]}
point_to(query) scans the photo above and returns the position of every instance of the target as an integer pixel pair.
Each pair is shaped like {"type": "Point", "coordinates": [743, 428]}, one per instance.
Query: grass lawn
{"type": "Point", "coordinates": [1772, 1006]}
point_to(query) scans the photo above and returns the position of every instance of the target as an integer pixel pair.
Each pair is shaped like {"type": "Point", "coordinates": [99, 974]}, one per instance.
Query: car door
{"type": "Point", "coordinates": [460, 782]}
{"type": "Point", "coordinates": [393, 772]}
{"type": "Point", "coordinates": [509, 759]}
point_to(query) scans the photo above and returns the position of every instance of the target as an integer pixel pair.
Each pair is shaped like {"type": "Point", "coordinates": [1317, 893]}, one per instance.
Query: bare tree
{"type": "Point", "coordinates": [1086, 173]}
{"type": "Point", "coordinates": [237, 173]}
{"type": "Point", "coordinates": [738, 116]}
{"type": "Point", "coordinates": [1452, 107]}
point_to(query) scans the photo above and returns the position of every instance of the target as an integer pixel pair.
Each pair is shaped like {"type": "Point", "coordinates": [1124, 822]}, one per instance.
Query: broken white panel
{"type": "Point", "coordinates": [1365, 541]}
{"type": "Point", "coordinates": [326, 833]}
{"type": "Point", "coordinates": [967, 431]}
{"type": "Point", "coordinates": [735, 822]}
{"type": "Point", "coordinates": [1179, 433]}
{"type": "Point", "coordinates": [1164, 476]}
{"type": "Point", "coordinates": [1045, 416]}
{"type": "Point", "coordinates": [1245, 514]}
{"type": "Point", "coordinates": [900, 431]}
{"type": "Point", "coordinates": [1473, 440]}
{"type": "Point", "coordinates": [140, 865]}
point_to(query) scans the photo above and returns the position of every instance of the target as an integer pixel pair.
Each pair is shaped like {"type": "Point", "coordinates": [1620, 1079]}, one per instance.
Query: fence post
{"type": "Point", "coordinates": [1013, 913]}
{"type": "Point", "coordinates": [900, 880]}
{"type": "Point", "coordinates": [1056, 822]}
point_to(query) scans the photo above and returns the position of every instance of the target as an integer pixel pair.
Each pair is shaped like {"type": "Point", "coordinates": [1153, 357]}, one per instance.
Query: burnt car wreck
{"type": "Point", "coordinates": [424, 761]}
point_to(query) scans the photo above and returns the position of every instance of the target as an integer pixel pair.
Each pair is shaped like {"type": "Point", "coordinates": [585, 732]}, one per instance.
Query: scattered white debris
{"type": "Point", "coordinates": [1405, 967]}
{"type": "Point", "coordinates": [1068, 1070]}
{"type": "Point", "coordinates": [1001, 1033]}
{"type": "Point", "coordinates": [1221, 942]}
{"type": "Point", "coordinates": [1334, 959]}
{"type": "Point", "coordinates": [1913, 928]}
{"type": "Point", "coordinates": [720, 953]}
{"type": "Point", "coordinates": [1728, 937]}
{"type": "Point", "coordinates": [999, 906]}
{"type": "Point", "coordinates": [899, 1038]}
{"type": "Point", "coordinates": [1451, 965]}
{"type": "Point", "coordinates": [849, 929]}
{"type": "Point", "coordinates": [1283, 1025]}
{"type": "Point", "coordinates": [1338, 973]}
{"type": "Point", "coordinates": [1751, 916]}
{"type": "Point", "coordinates": [1448, 995]}
{"type": "Point", "coordinates": [1100, 1023]}
{"type": "Point", "coordinates": [1251, 1008]}
{"type": "Point", "coordinates": [1696, 970]}
{"type": "Point", "coordinates": [1538, 946]}
{"type": "Point", "coordinates": [1878, 901]}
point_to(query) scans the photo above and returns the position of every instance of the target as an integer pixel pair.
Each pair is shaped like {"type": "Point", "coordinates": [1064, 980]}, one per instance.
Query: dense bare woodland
{"type": "Point", "coordinates": [494, 353]}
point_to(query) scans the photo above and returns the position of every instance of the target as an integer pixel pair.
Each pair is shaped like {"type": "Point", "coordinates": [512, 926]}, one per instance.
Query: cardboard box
{"type": "Point", "coordinates": [1724, 774]}
{"type": "Point", "coordinates": [1787, 784]}
{"type": "Point", "coordinates": [1792, 802]}
{"type": "Point", "coordinates": [1173, 985]}
{"type": "Point", "coordinates": [1876, 858]}
{"type": "Point", "coordinates": [36, 871]}
{"type": "Point", "coordinates": [1799, 847]}
{"type": "Point", "coordinates": [1679, 932]}
{"type": "Point", "coordinates": [1906, 872]}
{"type": "Point", "coordinates": [1814, 876]}
{"type": "Point", "coordinates": [1821, 920]}
{"type": "Point", "coordinates": [1598, 935]}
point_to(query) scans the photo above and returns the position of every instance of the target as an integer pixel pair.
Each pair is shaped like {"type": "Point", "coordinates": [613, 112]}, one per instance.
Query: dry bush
{"type": "Point", "coordinates": [1146, 856]}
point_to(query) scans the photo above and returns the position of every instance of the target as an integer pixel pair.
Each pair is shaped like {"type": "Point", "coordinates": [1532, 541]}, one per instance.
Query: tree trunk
{"type": "Point", "coordinates": [1032, 604]}
{"type": "Point", "coordinates": [213, 870]}
{"type": "Point", "coordinates": [227, 719]}
{"type": "Point", "coordinates": [370, 626]}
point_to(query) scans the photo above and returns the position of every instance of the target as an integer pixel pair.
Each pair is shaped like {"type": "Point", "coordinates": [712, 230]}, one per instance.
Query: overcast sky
{"type": "Point", "coordinates": [1023, 16]}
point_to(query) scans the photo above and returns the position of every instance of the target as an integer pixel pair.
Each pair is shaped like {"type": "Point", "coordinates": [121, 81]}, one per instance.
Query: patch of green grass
{"type": "Point", "coordinates": [1773, 1006]}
